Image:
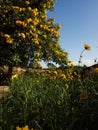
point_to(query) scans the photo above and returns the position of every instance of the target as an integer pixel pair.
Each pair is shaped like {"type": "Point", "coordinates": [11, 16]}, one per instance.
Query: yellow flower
{"type": "Point", "coordinates": [8, 38]}
{"type": "Point", "coordinates": [35, 35]}
{"type": "Point", "coordinates": [16, 8]}
{"type": "Point", "coordinates": [57, 52]}
{"type": "Point", "coordinates": [34, 11]}
{"type": "Point", "coordinates": [48, 6]}
{"type": "Point", "coordinates": [45, 36]}
{"type": "Point", "coordinates": [44, 17]}
{"type": "Point", "coordinates": [21, 23]}
{"type": "Point", "coordinates": [18, 128]}
{"type": "Point", "coordinates": [72, 65]}
{"type": "Point", "coordinates": [18, 22]}
{"type": "Point", "coordinates": [28, 20]}
{"type": "Point", "coordinates": [51, 30]}
{"type": "Point", "coordinates": [27, 2]}
{"type": "Point", "coordinates": [36, 42]}
{"type": "Point", "coordinates": [21, 9]}
{"type": "Point", "coordinates": [48, 22]}
{"type": "Point", "coordinates": [14, 76]}
{"type": "Point", "coordinates": [56, 33]}
{"type": "Point", "coordinates": [46, 28]}
{"type": "Point", "coordinates": [22, 128]}
{"type": "Point", "coordinates": [45, 11]}
{"type": "Point", "coordinates": [37, 54]}
{"type": "Point", "coordinates": [29, 8]}
{"type": "Point", "coordinates": [83, 96]}
{"type": "Point", "coordinates": [33, 28]}
{"type": "Point", "coordinates": [41, 26]}
{"type": "Point", "coordinates": [22, 35]}
{"type": "Point", "coordinates": [35, 21]}
{"type": "Point", "coordinates": [44, 5]}
{"type": "Point", "coordinates": [96, 69]}
{"type": "Point", "coordinates": [87, 47]}
{"type": "Point", "coordinates": [25, 128]}
{"type": "Point", "coordinates": [63, 76]}
{"type": "Point", "coordinates": [55, 72]}
{"type": "Point", "coordinates": [24, 24]}
{"type": "Point", "coordinates": [6, 35]}
{"type": "Point", "coordinates": [59, 26]}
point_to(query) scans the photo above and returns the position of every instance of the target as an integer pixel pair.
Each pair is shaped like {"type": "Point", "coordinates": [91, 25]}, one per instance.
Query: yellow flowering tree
{"type": "Point", "coordinates": [27, 35]}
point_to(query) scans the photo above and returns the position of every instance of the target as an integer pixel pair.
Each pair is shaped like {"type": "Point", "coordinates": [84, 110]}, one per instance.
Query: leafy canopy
{"type": "Point", "coordinates": [27, 35]}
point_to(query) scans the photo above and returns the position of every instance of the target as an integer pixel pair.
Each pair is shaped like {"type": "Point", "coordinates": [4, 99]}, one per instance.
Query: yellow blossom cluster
{"type": "Point", "coordinates": [96, 70]}
{"type": "Point", "coordinates": [34, 11]}
{"type": "Point", "coordinates": [27, 2]}
{"type": "Point", "coordinates": [22, 35]}
{"type": "Point", "coordinates": [15, 76]}
{"type": "Point", "coordinates": [35, 21]}
{"type": "Point", "coordinates": [8, 38]}
{"type": "Point", "coordinates": [31, 23]}
{"type": "Point", "coordinates": [44, 36]}
{"type": "Point", "coordinates": [33, 28]}
{"type": "Point", "coordinates": [47, 4]}
{"type": "Point", "coordinates": [43, 17]}
{"type": "Point", "coordinates": [37, 18]}
{"type": "Point", "coordinates": [59, 26]}
{"type": "Point", "coordinates": [55, 72]}
{"type": "Point", "coordinates": [36, 42]}
{"type": "Point", "coordinates": [56, 33]}
{"type": "Point", "coordinates": [28, 24]}
{"type": "Point", "coordinates": [63, 76]}
{"type": "Point", "coordinates": [23, 23]}
{"type": "Point", "coordinates": [23, 128]}
{"type": "Point", "coordinates": [17, 8]}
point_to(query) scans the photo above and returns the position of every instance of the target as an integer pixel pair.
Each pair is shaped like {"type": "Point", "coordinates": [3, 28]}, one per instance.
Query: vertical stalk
{"type": "Point", "coordinates": [79, 62]}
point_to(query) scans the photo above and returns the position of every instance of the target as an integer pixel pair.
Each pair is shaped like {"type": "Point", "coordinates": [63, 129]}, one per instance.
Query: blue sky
{"type": "Point", "coordinates": [79, 20]}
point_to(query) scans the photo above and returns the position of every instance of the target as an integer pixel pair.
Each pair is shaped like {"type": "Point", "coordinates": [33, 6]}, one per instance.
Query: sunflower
{"type": "Point", "coordinates": [87, 47]}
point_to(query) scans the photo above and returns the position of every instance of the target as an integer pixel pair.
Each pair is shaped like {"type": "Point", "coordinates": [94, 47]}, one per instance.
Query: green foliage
{"type": "Point", "coordinates": [47, 100]}
{"type": "Point", "coordinates": [27, 34]}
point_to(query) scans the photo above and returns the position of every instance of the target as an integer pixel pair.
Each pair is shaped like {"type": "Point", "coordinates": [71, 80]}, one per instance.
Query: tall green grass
{"type": "Point", "coordinates": [46, 101]}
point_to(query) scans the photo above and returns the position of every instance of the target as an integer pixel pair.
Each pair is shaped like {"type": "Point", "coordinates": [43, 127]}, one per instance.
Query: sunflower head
{"type": "Point", "coordinates": [87, 47]}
